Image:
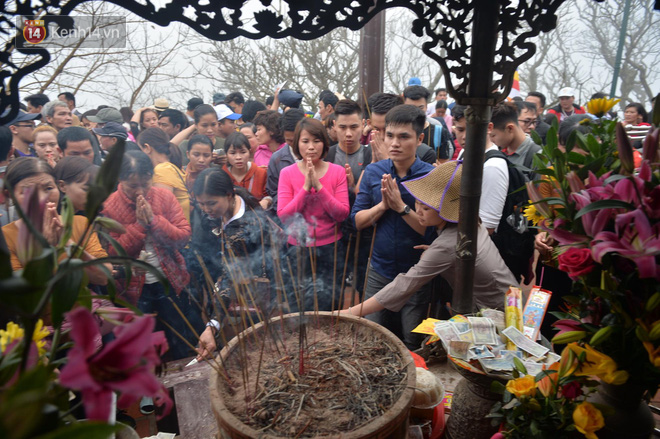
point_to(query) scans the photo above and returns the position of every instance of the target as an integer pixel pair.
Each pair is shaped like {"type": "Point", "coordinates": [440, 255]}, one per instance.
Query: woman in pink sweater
{"type": "Point", "coordinates": [312, 202]}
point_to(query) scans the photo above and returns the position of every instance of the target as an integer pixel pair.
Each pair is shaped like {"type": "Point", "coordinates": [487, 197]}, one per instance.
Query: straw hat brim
{"type": "Point", "coordinates": [440, 189]}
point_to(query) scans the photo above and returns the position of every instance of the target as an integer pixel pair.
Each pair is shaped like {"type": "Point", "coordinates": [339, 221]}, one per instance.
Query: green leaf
{"type": "Point", "coordinates": [39, 270]}
{"type": "Point", "coordinates": [84, 430]}
{"type": "Point", "coordinates": [519, 365]}
{"type": "Point", "coordinates": [106, 180]}
{"type": "Point", "coordinates": [497, 387]}
{"type": "Point", "coordinates": [66, 289]}
{"type": "Point", "coordinates": [604, 204]}
{"type": "Point", "coordinates": [5, 263]}
{"type": "Point", "coordinates": [19, 295]}
{"type": "Point", "coordinates": [95, 198]}
{"type": "Point", "coordinates": [574, 157]}
{"type": "Point", "coordinates": [536, 138]}
{"type": "Point", "coordinates": [67, 212]}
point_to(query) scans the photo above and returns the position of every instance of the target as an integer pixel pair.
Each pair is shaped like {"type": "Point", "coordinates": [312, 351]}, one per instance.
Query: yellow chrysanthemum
{"type": "Point", "coordinates": [598, 107]}
{"type": "Point", "coordinates": [15, 332]}
{"type": "Point", "coordinates": [533, 215]}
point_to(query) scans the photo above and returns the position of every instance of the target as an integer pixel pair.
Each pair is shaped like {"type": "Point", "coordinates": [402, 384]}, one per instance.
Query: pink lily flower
{"type": "Point", "coordinates": [124, 365]}
{"type": "Point", "coordinates": [567, 325]}
{"type": "Point", "coordinates": [576, 184]}
{"type": "Point", "coordinates": [29, 246]}
{"type": "Point", "coordinates": [595, 221]}
{"type": "Point", "coordinates": [635, 239]}
{"type": "Point", "coordinates": [564, 237]}
{"type": "Point", "coordinates": [594, 181]}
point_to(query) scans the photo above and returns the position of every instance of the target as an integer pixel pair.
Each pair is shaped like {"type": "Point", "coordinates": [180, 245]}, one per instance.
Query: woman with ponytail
{"type": "Point", "coordinates": [166, 159]}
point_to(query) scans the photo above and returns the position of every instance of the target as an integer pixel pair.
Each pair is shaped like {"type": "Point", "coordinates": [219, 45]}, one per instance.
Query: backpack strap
{"type": "Point", "coordinates": [437, 137]}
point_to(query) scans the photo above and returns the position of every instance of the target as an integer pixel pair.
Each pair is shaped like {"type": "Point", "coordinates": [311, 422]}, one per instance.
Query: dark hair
{"type": "Point", "coordinates": [217, 183]}
{"type": "Point", "coordinates": [438, 90]}
{"type": "Point", "coordinates": [640, 109]}
{"type": "Point", "coordinates": [250, 109]}
{"type": "Point", "coordinates": [73, 134]}
{"type": "Point", "coordinates": [269, 101]}
{"type": "Point", "coordinates": [570, 124]}
{"type": "Point", "coordinates": [381, 103]}
{"type": "Point", "coordinates": [598, 95]}
{"type": "Point", "coordinates": [503, 113]}
{"type": "Point", "coordinates": [249, 125]}
{"type": "Point", "coordinates": [440, 104]}
{"type": "Point", "coordinates": [524, 105]}
{"type": "Point", "coordinates": [458, 112]}
{"type": "Point", "coordinates": [5, 142]}
{"type": "Point", "coordinates": [347, 107]}
{"type": "Point", "coordinates": [160, 141]}
{"type": "Point", "coordinates": [237, 140]}
{"type": "Point", "coordinates": [74, 170]}
{"type": "Point", "coordinates": [199, 138]}
{"type": "Point", "coordinates": [291, 118]}
{"type": "Point", "coordinates": [330, 120]}
{"type": "Point", "coordinates": [37, 99]}
{"type": "Point", "coordinates": [203, 110]}
{"type": "Point", "coordinates": [416, 92]}
{"type": "Point", "coordinates": [194, 103]}
{"type": "Point", "coordinates": [126, 114]}
{"type": "Point", "coordinates": [270, 119]}
{"type": "Point", "coordinates": [235, 97]}
{"type": "Point", "coordinates": [539, 95]}
{"type": "Point", "coordinates": [406, 114]}
{"type": "Point", "coordinates": [145, 111]}
{"type": "Point", "coordinates": [88, 113]}
{"type": "Point", "coordinates": [176, 118]}
{"type": "Point", "coordinates": [25, 167]}
{"type": "Point", "coordinates": [135, 163]}
{"type": "Point", "coordinates": [328, 98]}
{"type": "Point", "coordinates": [314, 128]}
{"type": "Point", "coordinates": [68, 96]}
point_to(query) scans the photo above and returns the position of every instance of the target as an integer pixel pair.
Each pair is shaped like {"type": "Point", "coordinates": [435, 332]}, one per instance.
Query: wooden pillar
{"type": "Point", "coordinates": [372, 58]}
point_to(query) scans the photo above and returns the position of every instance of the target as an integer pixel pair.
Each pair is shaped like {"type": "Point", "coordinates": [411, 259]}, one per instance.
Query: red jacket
{"type": "Point", "coordinates": [169, 230]}
{"type": "Point", "coordinates": [556, 111]}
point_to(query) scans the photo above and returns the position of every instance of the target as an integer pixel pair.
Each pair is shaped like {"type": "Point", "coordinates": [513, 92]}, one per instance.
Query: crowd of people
{"type": "Point", "coordinates": [248, 207]}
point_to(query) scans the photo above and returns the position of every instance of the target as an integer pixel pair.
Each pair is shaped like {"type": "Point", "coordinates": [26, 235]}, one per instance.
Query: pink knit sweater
{"type": "Point", "coordinates": [320, 210]}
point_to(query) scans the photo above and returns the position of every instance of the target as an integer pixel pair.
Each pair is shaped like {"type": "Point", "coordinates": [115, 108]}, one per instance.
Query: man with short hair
{"type": "Point", "coordinates": [284, 156]}
{"type": "Point", "coordinates": [495, 177]}
{"type": "Point", "coordinates": [250, 110]}
{"type": "Point", "coordinates": [226, 121]}
{"type": "Point", "coordinates": [172, 122]}
{"type": "Point", "coordinates": [538, 99]}
{"type": "Point", "coordinates": [378, 105]}
{"type": "Point", "coordinates": [527, 119]}
{"type": "Point", "coordinates": [235, 100]}
{"type": "Point", "coordinates": [109, 134]}
{"type": "Point", "coordinates": [519, 148]}
{"type": "Point", "coordinates": [21, 128]}
{"type": "Point", "coordinates": [57, 114]}
{"type": "Point", "coordinates": [327, 102]}
{"type": "Point", "coordinates": [383, 202]}
{"type": "Point", "coordinates": [76, 141]}
{"type": "Point", "coordinates": [70, 100]}
{"type": "Point", "coordinates": [36, 102]}
{"type": "Point", "coordinates": [190, 108]}
{"type": "Point", "coordinates": [567, 106]}
{"type": "Point", "coordinates": [436, 133]}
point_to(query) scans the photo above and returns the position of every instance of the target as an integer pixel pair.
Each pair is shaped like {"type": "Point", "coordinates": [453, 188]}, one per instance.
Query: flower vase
{"type": "Point", "coordinates": [630, 418]}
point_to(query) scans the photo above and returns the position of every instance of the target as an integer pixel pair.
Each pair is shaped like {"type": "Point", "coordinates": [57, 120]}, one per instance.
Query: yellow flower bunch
{"type": "Point", "coordinates": [588, 419]}
{"type": "Point", "coordinates": [597, 364]}
{"type": "Point", "coordinates": [532, 214]}
{"type": "Point", "coordinates": [15, 332]}
{"type": "Point", "coordinates": [598, 107]}
{"type": "Point", "coordinates": [521, 387]}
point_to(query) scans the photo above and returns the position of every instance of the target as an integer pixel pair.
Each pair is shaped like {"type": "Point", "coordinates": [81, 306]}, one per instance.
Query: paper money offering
{"type": "Point", "coordinates": [496, 316]}
{"type": "Point", "coordinates": [481, 352]}
{"type": "Point", "coordinates": [459, 349]}
{"type": "Point", "coordinates": [483, 330]}
{"type": "Point", "coordinates": [496, 364]}
{"type": "Point", "coordinates": [446, 332]}
{"type": "Point", "coordinates": [524, 343]}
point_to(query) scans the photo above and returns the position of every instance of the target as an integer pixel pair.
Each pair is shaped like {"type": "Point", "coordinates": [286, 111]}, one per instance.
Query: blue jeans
{"type": "Point", "coordinates": [154, 301]}
{"type": "Point", "coordinates": [405, 320]}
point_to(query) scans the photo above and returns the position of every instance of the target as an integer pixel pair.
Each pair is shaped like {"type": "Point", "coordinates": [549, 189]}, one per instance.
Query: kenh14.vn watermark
{"type": "Point", "coordinates": [84, 31]}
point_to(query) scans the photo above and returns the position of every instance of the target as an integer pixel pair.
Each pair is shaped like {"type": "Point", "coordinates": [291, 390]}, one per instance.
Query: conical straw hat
{"type": "Point", "coordinates": [440, 189]}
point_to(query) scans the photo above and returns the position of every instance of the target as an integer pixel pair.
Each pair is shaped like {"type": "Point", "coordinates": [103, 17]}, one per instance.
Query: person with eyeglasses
{"type": "Point", "coordinates": [508, 135]}
{"type": "Point", "coordinates": [21, 129]}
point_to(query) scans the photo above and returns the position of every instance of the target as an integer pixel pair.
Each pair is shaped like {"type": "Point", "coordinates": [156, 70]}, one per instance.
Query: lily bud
{"type": "Point", "coordinates": [625, 149]}
{"type": "Point", "coordinates": [33, 207]}
{"type": "Point", "coordinates": [536, 197]}
{"type": "Point", "coordinates": [575, 182]}
{"type": "Point", "coordinates": [110, 224]}
{"type": "Point", "coordinates": [651, 144]}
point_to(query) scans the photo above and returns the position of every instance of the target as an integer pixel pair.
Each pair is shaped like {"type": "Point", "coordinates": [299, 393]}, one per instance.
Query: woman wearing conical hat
{"type": "Point", "coordinates": [437, 201]}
